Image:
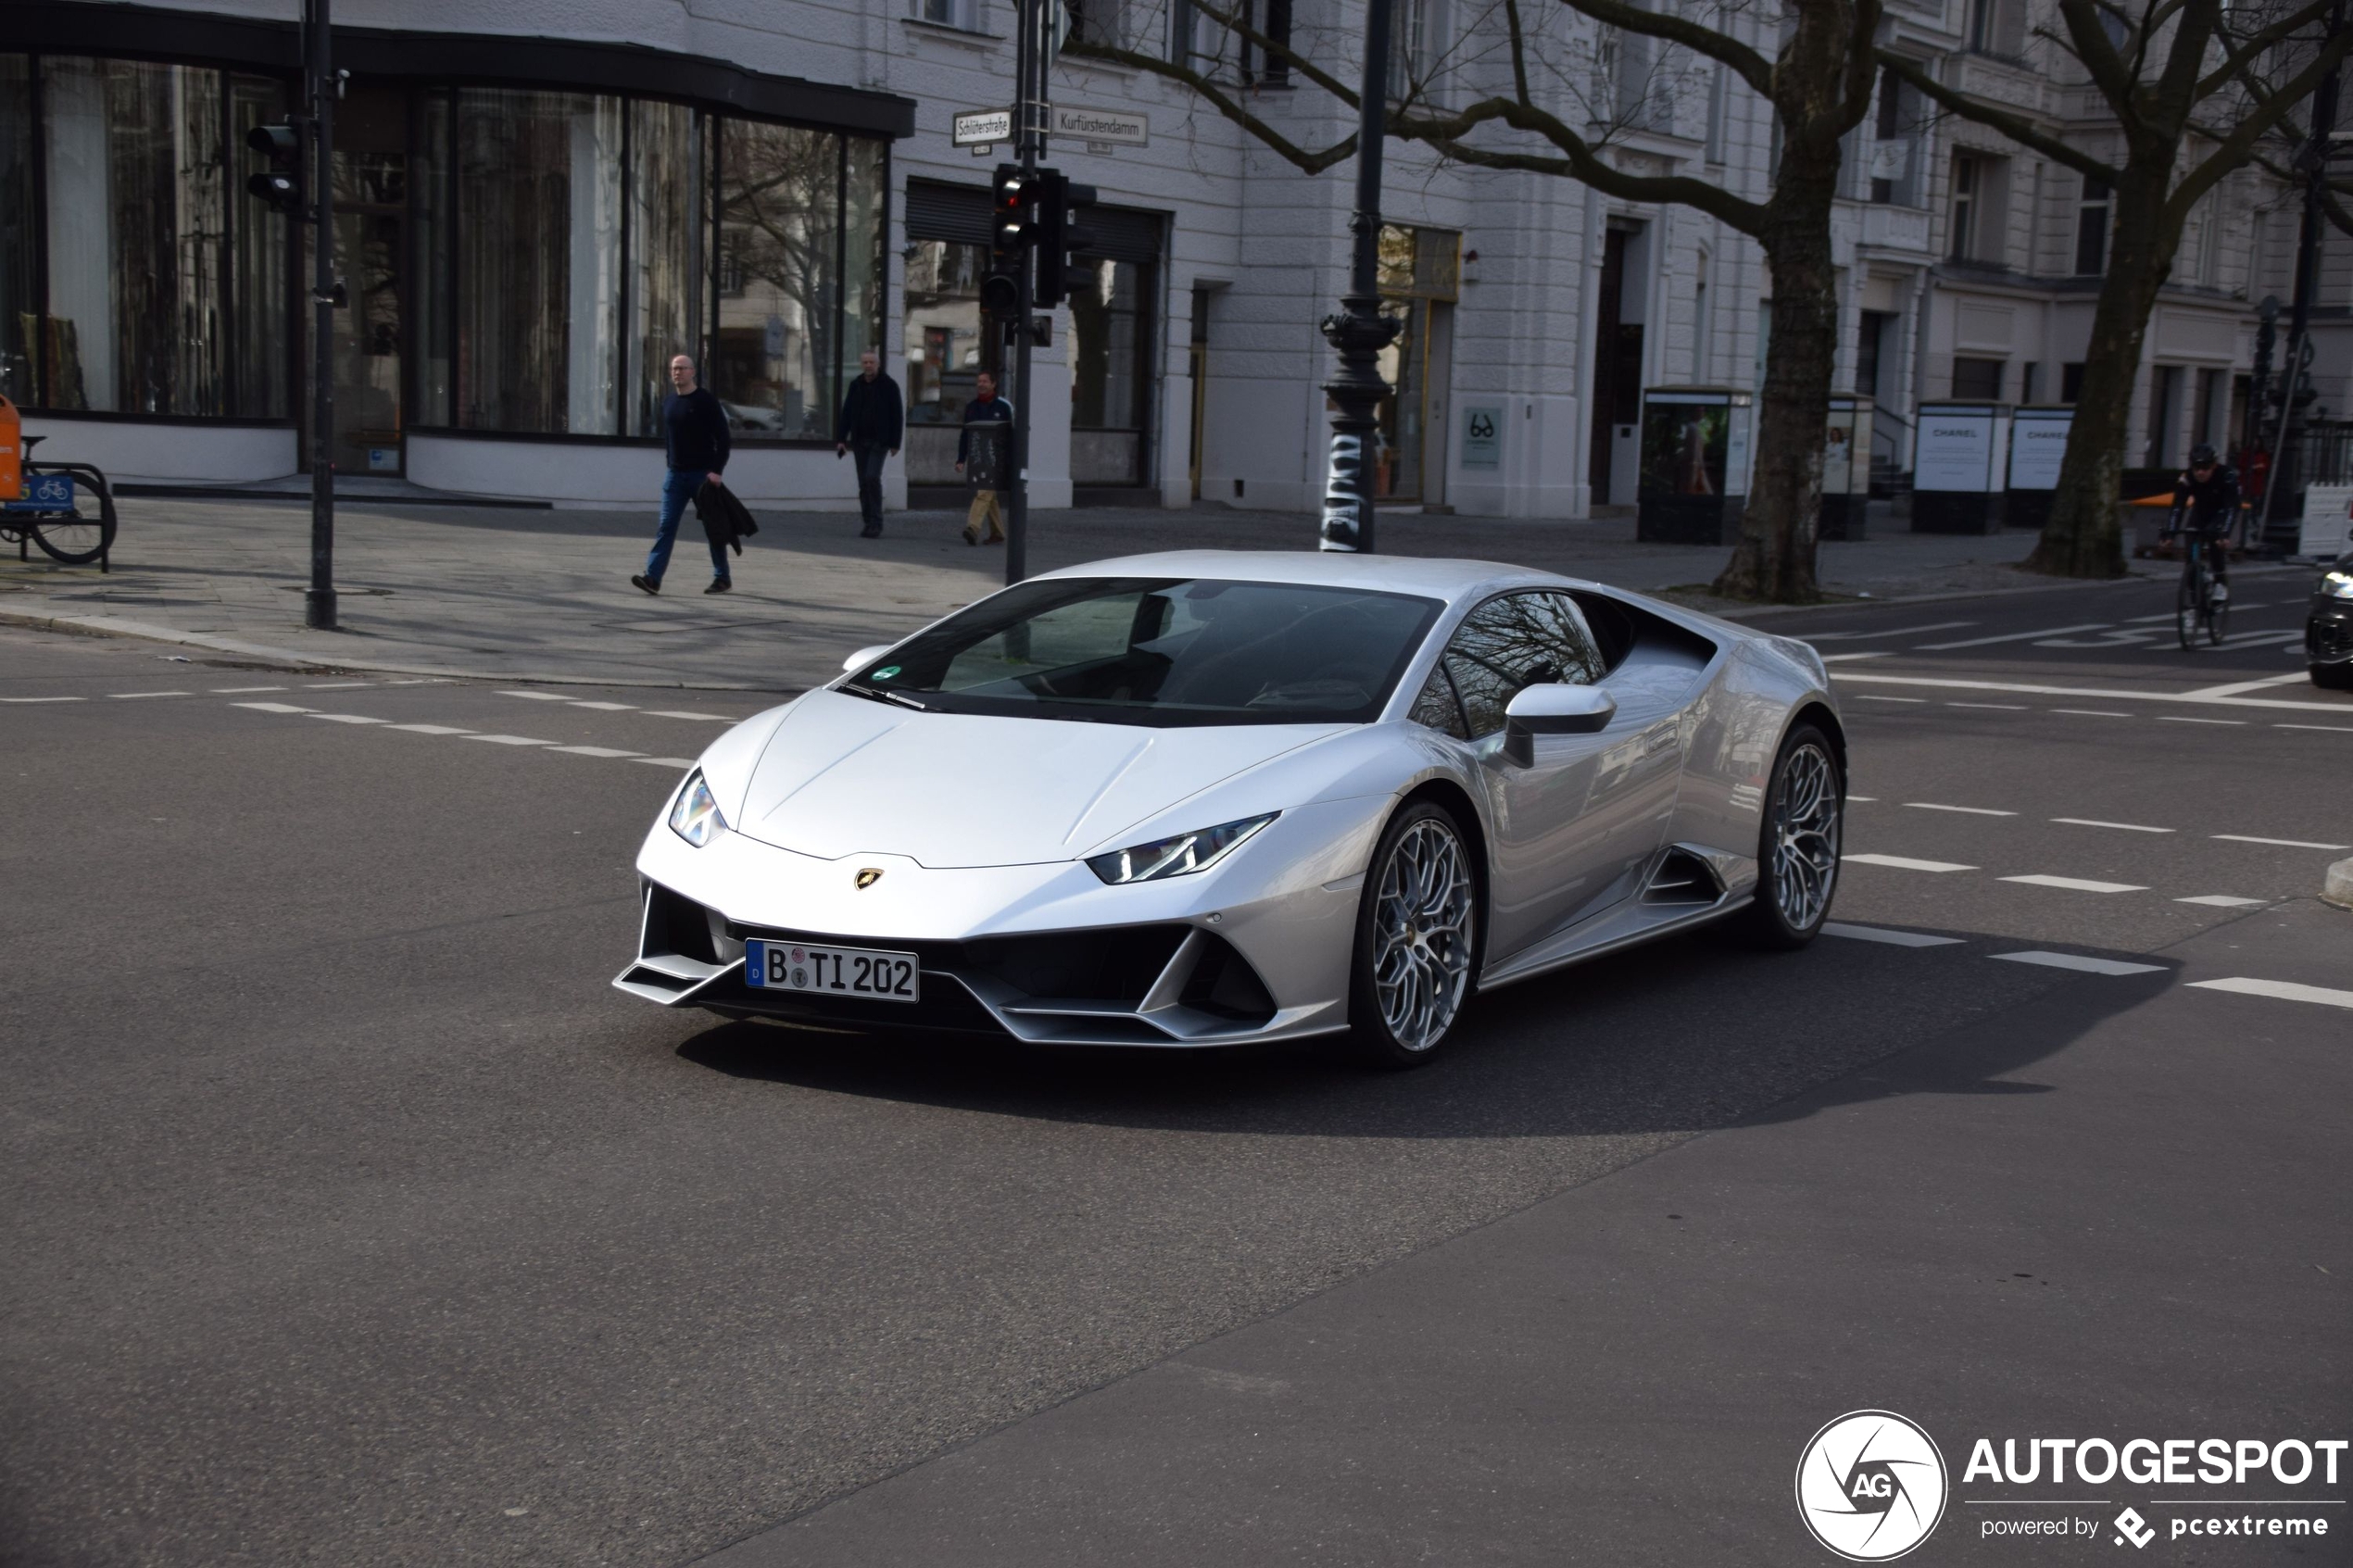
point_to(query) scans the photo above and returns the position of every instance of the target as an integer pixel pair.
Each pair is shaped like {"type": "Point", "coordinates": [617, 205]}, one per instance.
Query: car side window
{"type": "Point", "coordinates": [1436, 707]}
{"type": "Point", "coordinates": [1514, 641]}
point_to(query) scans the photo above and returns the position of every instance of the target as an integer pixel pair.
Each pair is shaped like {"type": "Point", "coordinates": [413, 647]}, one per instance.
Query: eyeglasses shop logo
{"type": "Point", "coordinates": [1872, 1486]}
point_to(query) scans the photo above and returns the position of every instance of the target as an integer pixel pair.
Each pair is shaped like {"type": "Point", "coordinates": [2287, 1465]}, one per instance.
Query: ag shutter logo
{"type": "Point", "coordinates": [1872, 1486]}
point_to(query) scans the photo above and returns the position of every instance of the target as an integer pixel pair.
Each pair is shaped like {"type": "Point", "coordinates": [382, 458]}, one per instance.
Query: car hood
{"type": "Point", "coordinates": [843, 775]}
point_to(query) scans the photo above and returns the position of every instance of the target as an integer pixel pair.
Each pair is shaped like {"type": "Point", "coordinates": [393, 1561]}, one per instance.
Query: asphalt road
{"type": "Point", "coordinates": [355, 1219]}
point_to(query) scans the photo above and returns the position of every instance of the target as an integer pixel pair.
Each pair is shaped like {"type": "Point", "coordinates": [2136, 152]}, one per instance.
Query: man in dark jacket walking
{"type": "Point", "coordinates": [873, 421]}
{"type": "Point", "coordinates": [695, 429]}
{"type": "Point", "coordinates": [984, 456]}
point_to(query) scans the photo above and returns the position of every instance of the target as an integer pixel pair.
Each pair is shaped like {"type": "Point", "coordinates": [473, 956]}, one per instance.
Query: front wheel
{"type": "Point", "coordinates": [2218, 611]}
{"type": "Point", "coordinates": [1417, 938]}
{"type": "Point", "coordinates": [81, 534]}
{"type": "Point", "coordinates": [1798, 847]}
{"type": "Point", "coordinates": [2332, 677]}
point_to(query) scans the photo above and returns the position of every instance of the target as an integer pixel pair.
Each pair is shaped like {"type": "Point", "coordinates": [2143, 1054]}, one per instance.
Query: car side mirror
{"type": "Point", "coordinates": [865, 655]}
{"type": "Point", "coordinates": [1552, 710]}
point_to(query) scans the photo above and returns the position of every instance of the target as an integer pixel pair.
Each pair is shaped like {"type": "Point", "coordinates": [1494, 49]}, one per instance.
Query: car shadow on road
{"type": "Point", "coordinates": [1683, 1036]}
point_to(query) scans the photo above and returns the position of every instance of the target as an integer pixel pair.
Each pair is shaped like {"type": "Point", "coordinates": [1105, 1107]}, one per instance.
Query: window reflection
{"type": "Point", "coordinates": [1517, 641]}
{"type": "Point", "coordinates": [663, 295]}
{"type": "Point", "coordinates": [1110, 356]}
{"type": "Point", "coordinates": [779, 210]}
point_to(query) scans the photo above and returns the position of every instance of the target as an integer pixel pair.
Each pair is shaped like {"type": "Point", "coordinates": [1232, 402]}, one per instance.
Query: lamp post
{"type": "Point", "coordinates": [1359, 331]}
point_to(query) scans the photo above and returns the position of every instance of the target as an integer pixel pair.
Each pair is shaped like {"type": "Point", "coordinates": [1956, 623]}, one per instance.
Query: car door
{"type": "Point", "coordinates": [1570, 828]}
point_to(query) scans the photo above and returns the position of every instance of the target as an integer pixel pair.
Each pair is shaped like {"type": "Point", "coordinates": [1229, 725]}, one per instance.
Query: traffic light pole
{"type": "Point", "coordinates": [1359, 331]}
{"type": "Point", "coordinates": [1030, 113]}
{"type": "Point", "coordinates": [2288, 455]}
{"type": "Point", "coordinates": [318, 601]}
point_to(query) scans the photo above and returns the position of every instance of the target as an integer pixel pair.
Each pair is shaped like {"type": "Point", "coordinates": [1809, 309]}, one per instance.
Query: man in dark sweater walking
{"type": "Point", "coordinates": [873, 421]}
{"type": "Point", "coordinates": [695, 427]}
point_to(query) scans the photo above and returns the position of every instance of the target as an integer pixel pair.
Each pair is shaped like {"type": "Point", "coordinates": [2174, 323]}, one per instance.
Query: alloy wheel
{"type": "Point", "coordinates": [1422, 935]}
{"type": "Point", "coordinates": [1806, 833]}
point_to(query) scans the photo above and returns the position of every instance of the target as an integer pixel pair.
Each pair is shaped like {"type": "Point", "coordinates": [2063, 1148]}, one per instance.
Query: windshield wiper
{"type": "Point", "coordinates": [875, 693]}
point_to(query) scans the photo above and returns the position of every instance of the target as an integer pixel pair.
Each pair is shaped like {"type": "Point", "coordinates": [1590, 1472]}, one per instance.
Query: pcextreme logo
{"type": "Point", "coordinates": [1872, 1486]}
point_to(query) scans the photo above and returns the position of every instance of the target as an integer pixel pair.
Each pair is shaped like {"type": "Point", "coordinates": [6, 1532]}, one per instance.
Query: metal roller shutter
{"type": "Point", "coordinates": [957, 213]}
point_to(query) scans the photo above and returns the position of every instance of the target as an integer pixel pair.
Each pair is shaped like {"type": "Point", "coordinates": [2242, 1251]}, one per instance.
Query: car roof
{"type": "Point", "coordinates": [1436, 578]}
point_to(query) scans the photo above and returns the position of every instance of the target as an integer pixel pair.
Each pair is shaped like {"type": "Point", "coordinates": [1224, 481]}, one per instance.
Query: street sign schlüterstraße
{"type": "Point", "coordinates": [982, 125]}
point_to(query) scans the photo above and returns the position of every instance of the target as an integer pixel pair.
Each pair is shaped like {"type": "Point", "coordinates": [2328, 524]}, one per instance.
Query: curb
{"type": "Point", "coordinates": [107, 626]}
{"type": "Point", "coordinates": [2337, 886]}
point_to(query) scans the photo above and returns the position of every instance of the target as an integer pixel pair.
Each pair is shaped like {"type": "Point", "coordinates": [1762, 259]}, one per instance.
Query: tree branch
{"type": "Point", "coordinates": [2214, 80]}
{"type": "Point", "coordinates": [1579, 161]}
{"type": "Point", "coordinates": [2270, 107]}
{"type": "Point", "coordinates": [1299, 158]}
{"type": "Point", "coordinates": [2015, 127]}
{"type": "Point", "coordinates": [1753, 68]}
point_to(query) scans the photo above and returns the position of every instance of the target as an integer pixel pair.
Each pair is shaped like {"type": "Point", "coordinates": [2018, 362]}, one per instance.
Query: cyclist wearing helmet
{"type": "Point", "coordinates": [2206, 500]}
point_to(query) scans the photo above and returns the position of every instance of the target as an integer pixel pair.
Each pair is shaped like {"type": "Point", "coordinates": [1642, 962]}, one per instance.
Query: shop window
{"type": "Point", "coordinates": [664, 161]}
{"type": "Point", "coordinates": [1111, 317]}
{"type": "Point", "coordinates": [1978, 379]}
{"type": "Point", "coordinates": [539, 261]}
{"type": "Point", "coordinates": [945, 350]}
{"type": "Point", "coordinates": [773, 350]}
{"type": "Point", "coordinates": [865, 252]}
{"type": "Point", "coordinates": [18, 271]}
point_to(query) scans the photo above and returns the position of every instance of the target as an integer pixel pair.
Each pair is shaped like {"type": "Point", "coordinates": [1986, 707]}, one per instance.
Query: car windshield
{"type": "Point", "coordinates": [1161, 651]}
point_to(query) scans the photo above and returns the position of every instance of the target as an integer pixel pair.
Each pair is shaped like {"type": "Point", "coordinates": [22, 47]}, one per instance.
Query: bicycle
{"type": "Point", "coordinates": [67, 509]}
{"type": "Point", "coordinates": [2202, 601]}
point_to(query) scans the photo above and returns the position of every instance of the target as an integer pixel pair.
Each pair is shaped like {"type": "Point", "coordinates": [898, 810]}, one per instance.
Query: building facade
{"type": "Point", "coordinates": [529, 226]}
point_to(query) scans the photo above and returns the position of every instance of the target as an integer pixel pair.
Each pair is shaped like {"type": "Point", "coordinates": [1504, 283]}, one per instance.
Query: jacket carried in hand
{"type": "Point", "coordinates": [725, 520]}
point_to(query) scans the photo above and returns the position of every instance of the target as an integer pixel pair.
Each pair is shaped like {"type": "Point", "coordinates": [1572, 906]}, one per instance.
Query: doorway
{"type": "Point", "coordinates": [372, 211]}
{"type": "Point", "coordinates": [1617, 369]}
{"type": "Point", "coordinates": [1198, 367]}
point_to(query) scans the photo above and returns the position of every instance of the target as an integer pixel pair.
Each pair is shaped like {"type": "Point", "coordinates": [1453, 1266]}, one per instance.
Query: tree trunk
{"type": "Point", "coordinates": [1774, 558]}
{"type": "Point", "coordinates": [2085, 535]}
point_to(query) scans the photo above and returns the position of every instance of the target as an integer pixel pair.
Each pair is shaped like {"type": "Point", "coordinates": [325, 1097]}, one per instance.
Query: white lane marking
{"type": "Point", "coordinates": [685, 762]}
{"type": "Point", "coordinates": [2017, 637]}
{"type": "Point", "coordinates": [419, 680]}
{"type": "Point", "coordinates": [349, 718]}
{"type": "Point", "coordinates": [41, 699]}
{"type": "Point", "coordinates": [2331, 729]}
{"type": "Point", "coordinates": [2120, 827]}
{"type": "Point", "coordinates": [2004, 707]}
{"type": "Point", "coordinates": [2081, 965]}
{"type": "Point", "coordinates": [2095, 713]}
{"type": "Point", "coordinates": [433, 729]}
{"type": "Point", "coordinates": [2110, 693]}
{"type": "Point", "coordinates": [674, 713]}
{"type": "Point", "coordinates": [1903, 864]}
{"type": "Point", "coordinates": [2282, 843]}
{"type": "Point", "coordinates": [1892, 632]}
{"type": "Point", "coordinates": [271, 707]}
{"type": "Point", "coordinates": [2193, 719]}
{"type": "Point", "coordinates": [2236, 688]}
{"type": "Point", "coordinates": [1892, 938]}
{"type": "Point", "coordinates": [125, 696]}
{"type": "Point", "coordinates": [2078, 884]}
{"type": "Point", "coordinates": [608, 706]}
{"type": "Point", "coordinates": [538, 697]}
{"type": "Point", "coordinates": [338, 685]}
{"type": "Point", "coordinates": [1966, 810]}
{"type": "Point", "coordinates": [2285, 990]}
{"type": "Point", "coordinates": [594, 751]}
{"type": "Point", "coordinates": [224, 691]}
{"type": "Point", "coordinates": [1853, 799]}
{"type": "Point", "coordinates": [1834, 657]}
{"type": "Point", "coordinates": [2160, 615]}
{"type": "Point", "coordinates": [511, 740]}
{"type": "Point", "coordinates": [2220, 901]}
{"type": "Point", "coordinates": [1874, 696]}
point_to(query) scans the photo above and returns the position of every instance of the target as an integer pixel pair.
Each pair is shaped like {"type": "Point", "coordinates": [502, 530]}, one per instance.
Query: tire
{"type": "Point", "coordinates": [2332, 677]}
{"type": "Point", "coordinates": [1797, 870]}
{"type": "Point", "coordinates": [1416, 950]}
{"type": "Point", "coordinates": [83, 537]}
{"type": "Point", "coordinates": [2185, 608]}
{"type": "Point", "coordinates": [2217, 612]}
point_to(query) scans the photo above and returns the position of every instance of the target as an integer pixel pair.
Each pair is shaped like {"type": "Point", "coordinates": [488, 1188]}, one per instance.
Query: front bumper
{"type": "Point", "coordinates": [2328, 633]}
{"type": "Point", "coordinates": [1256, 949]}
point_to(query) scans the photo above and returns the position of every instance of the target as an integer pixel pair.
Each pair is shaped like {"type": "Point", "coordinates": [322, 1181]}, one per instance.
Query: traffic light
{"type": "Point", "coordinates": [1060, 203]}
{"type": "Point", "coordinates": [280, 185]}
{"type": "Point", "coordinates": [1014, 207]}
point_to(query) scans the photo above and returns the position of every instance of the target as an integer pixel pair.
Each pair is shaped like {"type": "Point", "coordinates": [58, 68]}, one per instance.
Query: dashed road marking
{"type": "Point", "coordinates": [675, 713]}
{"type": "Point", "coordinates": [2000, 707]}
{"type": "Point", "coordinates": [1965, 811]}
{"type": "Point", "coordinates": [1903, 863]}
{"type": "Point", "coordinates": [538, 697]}
{"type": "Point", "coordinates": [2078, 883]}
{"type": "Point", "coordinates": [2221, 901]}
{"type": "Point", "coordinates": [224, 691]}
{"type": "Point", "coordinates": [2285, 990]}
{"type": "Point", "coordinates": [608, 706]}
{"type": "Point", "coordinates": [2110, 693]}
{"type": "Point", "coordinates": [1892, 632]}
{"type": "Point", "coordinates": [2120, 827]}
{"type": "Point", "coordinates": [2281, 843]}
{"type": "Point", "coordinates": [2079, 963]}
{"type": "Point", "coordinates": [2095, 713]}
{"type": "Point", "coordinates": [1835, 657]}
{"type": "Point", "coordinates": [2017, 637]}
{"type": "Point", "coordinates": [1892, 938]}
{"type": "Point", "coordinates": [2331, 729]}
{"type": "Point", "coordinates": [2237, 686]}
{"type": "Point", "coordinates": [511, 740]}
{"type": "Point", "coordinates": [349, 718]}
{"type": "Point", "coordinates": [126, 696]}
{"type": "Point", "coordinates": [41, 699]}
{"type": "Point", "coordinates": [338, 685]}
{"type": "Point", "coordinates": [594, 751]}
{"type": "Point", "coordinates": [1874, 696]}
{"type": "Point", "coordinates": [664, 761]}
{"type": "Point", "coordinates": [2186, 719]}
{"type": "Point", "coordinates": [433, 729]}
{"type": "Point", "coordinates": [271, 707]}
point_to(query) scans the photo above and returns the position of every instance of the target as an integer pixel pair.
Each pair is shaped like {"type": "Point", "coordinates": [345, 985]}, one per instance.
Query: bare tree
{"type": "Point", "coordinates": [2197, 88]}
{"type": "Point", "coordinates": [1556, 112]}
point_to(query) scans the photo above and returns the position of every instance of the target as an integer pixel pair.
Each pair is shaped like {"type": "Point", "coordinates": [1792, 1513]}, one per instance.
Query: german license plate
{"type": "Point", "coordinates": [833, 971]}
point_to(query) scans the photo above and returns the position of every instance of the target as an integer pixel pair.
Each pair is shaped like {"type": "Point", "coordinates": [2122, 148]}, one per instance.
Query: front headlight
{"type": "Point", "coordinates": [693, 816]}
{"type": "Point", "coordinates": [2338, 585]}
{"type": "Point", "coordinates": [1180, 856]}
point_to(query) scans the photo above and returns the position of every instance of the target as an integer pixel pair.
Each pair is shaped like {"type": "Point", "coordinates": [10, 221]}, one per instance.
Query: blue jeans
{"type": "Point", "coordinates": [677, 494]}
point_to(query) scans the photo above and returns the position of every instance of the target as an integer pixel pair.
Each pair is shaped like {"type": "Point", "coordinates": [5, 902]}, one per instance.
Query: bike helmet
{"type": "Point", "coordinates": [2201, 456]}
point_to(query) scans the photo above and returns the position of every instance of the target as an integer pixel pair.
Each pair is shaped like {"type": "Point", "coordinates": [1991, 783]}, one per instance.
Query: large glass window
{"type": "Point", "coordinates": [257, 295]}
{"type": "Point", "coordinates": [866, 245]}
{"type": "Point", "coordinates": [944, 349]}
{"type": "Point", "coordinates": [665, 173]}
{"type": "Point", "coordinates": [773, 352]}
{"type": "Point", "coordinates": [1111, 326]}
{"type": "Point", "coordinates": [539, 261]}
{"type": "Point", "coordinates": [20, 272]}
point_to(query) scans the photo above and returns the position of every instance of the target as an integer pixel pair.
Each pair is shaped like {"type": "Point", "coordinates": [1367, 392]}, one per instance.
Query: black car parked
{"type": "Point", "coordinates": [2328, 631]}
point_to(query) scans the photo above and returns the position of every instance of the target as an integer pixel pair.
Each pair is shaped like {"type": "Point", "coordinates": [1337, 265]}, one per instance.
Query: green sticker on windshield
{"type": "Point", "coordinates": [886, 673]}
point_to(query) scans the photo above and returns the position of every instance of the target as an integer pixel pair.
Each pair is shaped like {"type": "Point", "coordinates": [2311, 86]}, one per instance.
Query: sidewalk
{"type": "Point", "coordinates": [545, 594]}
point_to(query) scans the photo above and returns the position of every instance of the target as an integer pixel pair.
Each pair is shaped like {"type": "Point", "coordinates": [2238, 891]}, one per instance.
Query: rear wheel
{"type": "Point", "coordinates": [2218, 609]}
{"type": "Point", "coordinates": [2186, 601]}
{"type": "Point", "coordinates": [1798, 847]}
{"type": "Point", "coordinates": [79, 535]}
{"type": "Point", "coordinates": [2332, 677]}
{"type": "Point", "coordinates": [1416, 935]}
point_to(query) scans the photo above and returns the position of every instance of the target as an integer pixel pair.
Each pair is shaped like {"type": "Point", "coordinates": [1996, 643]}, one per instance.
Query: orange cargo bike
{"type": "Point", "coordinates": [67, 509]}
